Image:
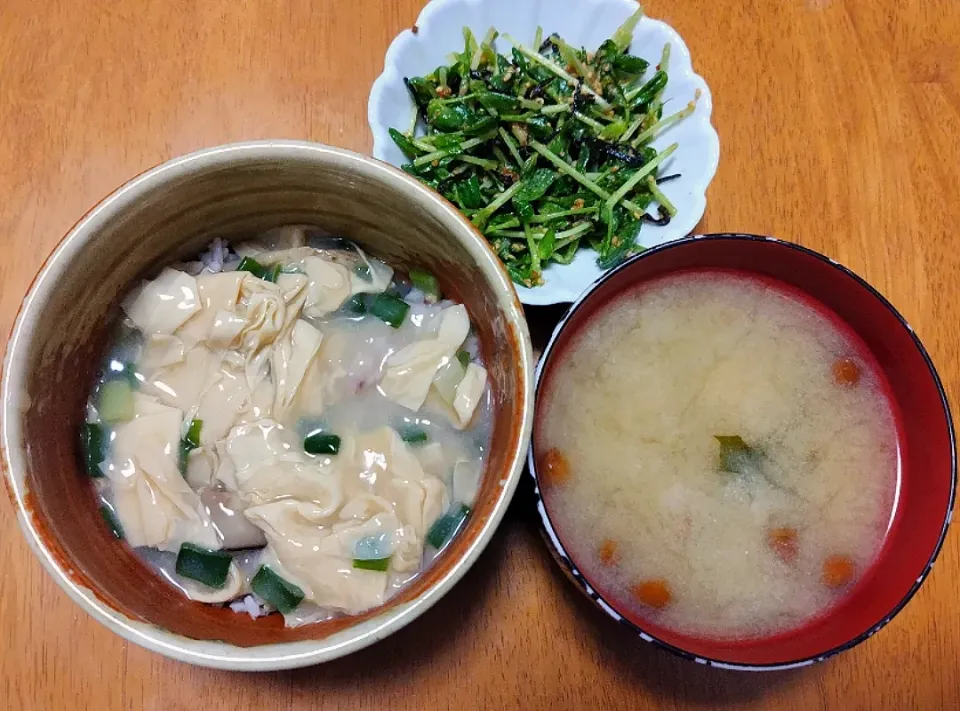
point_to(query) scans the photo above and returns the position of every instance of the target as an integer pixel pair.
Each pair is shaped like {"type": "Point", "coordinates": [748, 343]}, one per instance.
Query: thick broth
{"type": "Point", "coordinates": [750, 534]}
{"type": "Point", "coordinates": [249, 485]}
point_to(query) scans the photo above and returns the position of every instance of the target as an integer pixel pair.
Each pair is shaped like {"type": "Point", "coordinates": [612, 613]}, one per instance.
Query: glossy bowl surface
{"type": "Point", "coordinates": [928, 449]}
{"type": "Point", "coordinates": [165, 215]}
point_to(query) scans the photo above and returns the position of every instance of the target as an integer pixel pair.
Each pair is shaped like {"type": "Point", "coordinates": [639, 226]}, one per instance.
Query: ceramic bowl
{"type": "Point", "coordinates": [928, 450]}
{"type": "Point", "coordinates": [165, 215]}
{"type": "Point", "coordinates": [583, 23]}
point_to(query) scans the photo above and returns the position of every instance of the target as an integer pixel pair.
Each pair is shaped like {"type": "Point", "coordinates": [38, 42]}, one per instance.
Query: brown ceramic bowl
{"type": "Point", "coordinates": [165, 215]}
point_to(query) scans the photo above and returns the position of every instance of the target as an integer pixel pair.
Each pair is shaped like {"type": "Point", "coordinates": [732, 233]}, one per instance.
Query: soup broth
{"type": "Point", "coordinates": [718, 455]}
{"type": "Point", "coordinates": [289, 425]}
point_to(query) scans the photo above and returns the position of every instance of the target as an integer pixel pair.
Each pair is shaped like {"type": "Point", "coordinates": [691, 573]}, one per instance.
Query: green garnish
{"type": "Point", "coordinates": [113, 523]}
{"type": "Point", "coordinates": [736, 456]}
{"type": "Point", "coordinates": [321, 443]}
{"type": "Point", "coordinates": [205, 566]}
{"type": "Point", "coordinates": [271, 274]}
{"type": "Point", "coordinates": [546, 150]}
{"type": "Point", "coordinates": [270, 587]}
{"type": "Point", "coordinates": [116, 401]}
{"type": "Point", "coordinates": [447, 526]}
{"type": "Point", "coordinates": [193, 433]}
{"type": "Point", "coordinates": [389, 308]}
{"type": "Point", "coordinates": [91, 445]}
{"type": "Point", "coordinates": [189, 442]}
{"type": "Point", "coordinates": [249, 264]}
{"type": "Point", "coordinates": [463, 357]}
{"type": "Point", "coordinates": [356, 305]}
{"type": "Point", "coordinates": [413, 435]}
{"type": "Point", "coordinates": [379, 564]}
{"type": "Point", "coordinates": [427, 283]}
{"type": "Point", "coordinates": [363, 272]}
{"type": "Point", "coordinates": [267, 273]}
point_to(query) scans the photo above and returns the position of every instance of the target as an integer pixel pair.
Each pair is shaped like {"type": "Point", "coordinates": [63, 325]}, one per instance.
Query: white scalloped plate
{"type": "Point", "coordinates": [584, 23]}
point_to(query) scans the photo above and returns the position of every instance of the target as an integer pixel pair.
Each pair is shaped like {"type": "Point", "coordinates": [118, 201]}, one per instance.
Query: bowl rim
{"type": "Point", "coordinates": [211, 653]}
{"type": "Point", "coordinates": [566, 562]}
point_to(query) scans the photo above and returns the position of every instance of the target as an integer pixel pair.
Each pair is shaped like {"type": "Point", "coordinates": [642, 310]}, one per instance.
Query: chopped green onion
{"type": "Point", "coordinates": [203, 565]}
{"type": "Point", "coordinates": [463, 357]}
{"type": "Point", "coordinates": [271, 274]}
{"type": "Point", "coordinates": [390, 309]}
{"type": "Point", "coordinates": [192, 437]}
{"type": "Point", "coordinates": [249, 264]}
{"type": "Point", "coordinates": [425, 282]}
{"type": "Point", "coordinates": [91, 445]}
{"type": "Point", "coordinates": [116, 401]}
{"type": "Point", "coordinates": [446, 526]}
{"type": "Point", "coordinates": [379, 564]}
{"type": "Point", "coordinates": [321, 443]}
{"type": "Point", "coordinates": [363, 272]}
{"type": "Point", "coordinates": [113, 523]}
{"type": "Point", "coordinates": [270, 587]}
{"type": "Point", "coordinates": [356, 304]}
{"type": "Point", "coordinates": [189, 442]}
{"type": "Point", "coordinates": [413, 435]}
{"type": "Point", "coordinates": [736, 456]}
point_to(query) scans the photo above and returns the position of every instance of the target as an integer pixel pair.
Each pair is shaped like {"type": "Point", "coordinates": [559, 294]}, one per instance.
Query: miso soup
{"type": "Point", "coordinates": [719, 455]}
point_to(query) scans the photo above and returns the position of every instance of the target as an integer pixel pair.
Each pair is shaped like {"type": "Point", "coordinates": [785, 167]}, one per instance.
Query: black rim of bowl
{"type": "Point", "coordinates": [570, 568]}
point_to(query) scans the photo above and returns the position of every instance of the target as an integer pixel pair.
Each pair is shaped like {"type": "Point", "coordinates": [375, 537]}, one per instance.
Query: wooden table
{"type": "Point", "coordinates": [838, 122]}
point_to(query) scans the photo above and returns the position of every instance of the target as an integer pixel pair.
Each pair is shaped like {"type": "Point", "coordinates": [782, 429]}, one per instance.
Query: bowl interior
{"type": "Point", "coordinates": [167, 215]}
{"type": "Point", "coordinates": [927, 440]}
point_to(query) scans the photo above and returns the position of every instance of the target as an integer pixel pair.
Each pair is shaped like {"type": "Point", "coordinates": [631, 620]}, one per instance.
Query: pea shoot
{"type": "Point", "coordinates": [547, 151]}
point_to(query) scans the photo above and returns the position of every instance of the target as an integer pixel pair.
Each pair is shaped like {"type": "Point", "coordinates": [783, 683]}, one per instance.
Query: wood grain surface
{"type": "Point", "coordinates": [839, 123]}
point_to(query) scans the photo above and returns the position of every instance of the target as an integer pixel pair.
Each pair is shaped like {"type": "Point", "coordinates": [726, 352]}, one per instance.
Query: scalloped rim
{"type": "Point", "coordinates": [563, 286]}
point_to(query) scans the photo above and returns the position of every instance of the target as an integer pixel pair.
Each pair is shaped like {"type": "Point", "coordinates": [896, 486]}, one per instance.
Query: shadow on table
{"type": "Point", "coordinates": [541, 321]}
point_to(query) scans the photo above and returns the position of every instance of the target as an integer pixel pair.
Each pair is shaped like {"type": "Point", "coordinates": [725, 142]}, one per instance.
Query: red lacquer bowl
{"type": "Point", "coordinates": [928, 448]}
